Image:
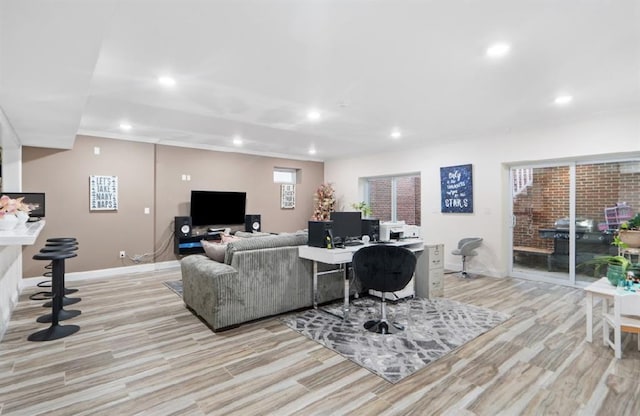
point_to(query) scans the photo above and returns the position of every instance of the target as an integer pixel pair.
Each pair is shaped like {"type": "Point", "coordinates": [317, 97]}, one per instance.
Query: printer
{"type": "Point", "coordinates": [395, 230]}
{"type": "Point", "coordinates": [391, 230]}
{"type": "Point", "coordinates": [411, 231]}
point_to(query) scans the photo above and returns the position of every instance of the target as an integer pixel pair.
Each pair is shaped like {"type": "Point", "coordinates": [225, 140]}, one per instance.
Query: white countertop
{"type": "Point", "coordinates": [25, 235]}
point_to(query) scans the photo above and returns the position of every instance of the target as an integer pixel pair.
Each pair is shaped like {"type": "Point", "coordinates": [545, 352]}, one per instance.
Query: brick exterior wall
{"type": "Point", "coordinates": [408, 196]}
{"type": "Point", "coordinates": [380, 198]}
{"type": "Point", "coordinates": [547, 199]}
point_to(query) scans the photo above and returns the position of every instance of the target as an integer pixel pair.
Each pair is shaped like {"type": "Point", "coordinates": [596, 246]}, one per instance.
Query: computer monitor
{"type": "Point", "coordinates": [347, 225]}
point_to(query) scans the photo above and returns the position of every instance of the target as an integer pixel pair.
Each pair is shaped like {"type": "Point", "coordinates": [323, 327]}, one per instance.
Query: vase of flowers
{"type": "Point", "coordinates": [324, 200]}
{"type": "Point", "coordinates": [13, 212]}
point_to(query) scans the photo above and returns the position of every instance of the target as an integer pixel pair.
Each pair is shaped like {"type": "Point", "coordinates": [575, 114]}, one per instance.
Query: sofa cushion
{"type": "Point", "coordinates": [229, 238]}
{"type": "Point", "coordinates": [271, 241]}
{"type": "Point", "coordinates": [214, 250]}
{"type": "Point", "coordinates": [249, 234]}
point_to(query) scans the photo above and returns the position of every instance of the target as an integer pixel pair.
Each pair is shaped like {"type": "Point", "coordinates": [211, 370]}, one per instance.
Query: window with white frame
{"type": "Point", "coordinates": [394, 198]}
{"type": "Point", "coordinates": [285, 175]}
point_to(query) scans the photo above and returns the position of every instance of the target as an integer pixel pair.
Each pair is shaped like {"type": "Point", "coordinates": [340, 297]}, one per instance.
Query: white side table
{"type": "Point", "coordinates": [601, 289]}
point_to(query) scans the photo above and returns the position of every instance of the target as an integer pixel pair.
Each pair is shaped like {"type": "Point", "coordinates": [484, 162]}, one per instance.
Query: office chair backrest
{"type": "Point", "coordinates": [384, 268]}
{"type": "Point", "coordinates": [467, 245]}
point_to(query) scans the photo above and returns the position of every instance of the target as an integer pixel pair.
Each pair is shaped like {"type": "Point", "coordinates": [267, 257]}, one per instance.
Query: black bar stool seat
{"type": "Point", "coordinates": [66, 242]}
{"type": "Point", "coordinates": [55, 331]}
{"type": "Point", "coordinates": [62, 240]}
{"type": "Point", "coordinates": [62, 247]}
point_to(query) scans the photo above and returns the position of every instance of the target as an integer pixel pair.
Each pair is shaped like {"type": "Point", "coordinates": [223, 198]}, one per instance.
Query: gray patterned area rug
{"type": "Point", "coordinates": [175, 286]}
{"type": "Point", "coordinates": [434, 327]}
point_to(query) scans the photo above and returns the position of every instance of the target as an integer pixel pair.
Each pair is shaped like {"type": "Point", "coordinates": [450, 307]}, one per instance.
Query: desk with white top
{"type": "Point", "coordinates": [343, 256]}
{"type": "Point", "coordinates": [602, 289]}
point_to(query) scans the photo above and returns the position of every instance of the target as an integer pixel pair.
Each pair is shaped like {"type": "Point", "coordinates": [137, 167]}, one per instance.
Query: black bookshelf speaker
{"type": "Point", "coordinates": [183, 226]}
{"type": "Point", "coordinates": [252, 222]}
{"type": "Point", "coordinates": [371, 228]}
{"type": "Point", "coordinates": [321, 234]}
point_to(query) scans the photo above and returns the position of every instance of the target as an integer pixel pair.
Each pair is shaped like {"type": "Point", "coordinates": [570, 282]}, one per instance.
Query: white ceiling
{"type": "Point", "coordinates": [254, 68]}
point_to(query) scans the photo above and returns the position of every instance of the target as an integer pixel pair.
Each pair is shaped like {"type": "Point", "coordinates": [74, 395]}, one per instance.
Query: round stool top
{"type": "Point", "coordinates": [61, 245]}
{"type": "Point", "coordinates": [64, 249]}
{"type": "Point", "coordinates": [62, 240]}
{"type": "Point", "coordinates": [56, 255]}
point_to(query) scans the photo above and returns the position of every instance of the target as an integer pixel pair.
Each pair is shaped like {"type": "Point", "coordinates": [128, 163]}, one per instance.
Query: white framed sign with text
{"type": "Point", "coordinates": [288, 197]}
{"type": "Point", "coordinates": [103, 193]}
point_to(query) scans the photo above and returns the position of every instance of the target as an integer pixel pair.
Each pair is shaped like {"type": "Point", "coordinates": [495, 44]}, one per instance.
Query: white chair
{"type": "Point", "coordinates": [466, 247]}
{"type": "Point", "coordinates": [625, 317]}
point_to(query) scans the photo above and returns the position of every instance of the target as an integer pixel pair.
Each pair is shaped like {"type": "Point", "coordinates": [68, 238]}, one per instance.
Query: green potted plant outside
{"type": "Point", "coordinates": [362, 207]}
{"type": "Point", "coordinates": [630, 232]}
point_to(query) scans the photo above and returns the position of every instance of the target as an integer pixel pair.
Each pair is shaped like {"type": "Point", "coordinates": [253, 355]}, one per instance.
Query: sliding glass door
{"type": "Point", "coordinates": [541, 222]}
{"type": "Point", "coordinates": [565, 215]}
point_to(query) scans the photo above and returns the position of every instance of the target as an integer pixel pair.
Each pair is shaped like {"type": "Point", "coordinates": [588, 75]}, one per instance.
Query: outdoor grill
{"type": "Point", "coordinates": [589, 242]}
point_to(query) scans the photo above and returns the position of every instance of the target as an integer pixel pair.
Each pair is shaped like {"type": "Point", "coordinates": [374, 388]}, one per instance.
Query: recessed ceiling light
{"type": "Point", "coordinates": [166, 81]}
{"type": "Point", "coordinates": [125, 126]}
{"type": "Point", "coordinates": [396, 134]}
{"type": "Point", "coordinates": [498, 50]}
{"type": "Point", "coordinates": [313, 115]}
{"type": "Point", "coordinates": [237, 140]}
{"type": "Point", "coordinates": [312, 151]}
{"type": "Point", "coordinates": [563, 99]}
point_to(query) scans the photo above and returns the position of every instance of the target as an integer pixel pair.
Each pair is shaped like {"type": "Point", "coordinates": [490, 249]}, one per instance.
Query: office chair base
{"type": "Point", "coordinates": [466, 275]}
{"type": "Point", "coordinates": [383, 327]}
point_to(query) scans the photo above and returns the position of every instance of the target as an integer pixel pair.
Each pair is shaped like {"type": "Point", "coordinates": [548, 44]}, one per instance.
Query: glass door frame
{"type": "Point", "coordinates": [541, 276]}
{"type": "Point", "coordinates": [547, 277]}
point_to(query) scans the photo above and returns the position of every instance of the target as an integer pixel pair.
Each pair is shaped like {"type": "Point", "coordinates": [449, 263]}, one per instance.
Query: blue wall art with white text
{"type": "Point", "coordinates": [456, 185]}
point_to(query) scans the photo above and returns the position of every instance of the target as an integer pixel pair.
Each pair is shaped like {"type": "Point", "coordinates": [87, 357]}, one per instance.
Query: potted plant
{"type": "Point", "coordinates": [363, 207]}
{"type": "Point", "coordinates": [630, 232]}
{"type": "Point", "coordinates": [324, 200]}
{"type": "Point", "coordinates": [617, 267]}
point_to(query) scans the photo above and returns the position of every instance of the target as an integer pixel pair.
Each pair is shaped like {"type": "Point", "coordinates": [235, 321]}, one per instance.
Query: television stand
{"type": "Point", "coordinates": [192, 245]}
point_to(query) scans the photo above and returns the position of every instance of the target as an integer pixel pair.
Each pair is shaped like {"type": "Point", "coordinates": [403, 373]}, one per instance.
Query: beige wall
{"type": "Point", "coordinates": [149, 176]}
{"type": "Point", "coordinates": [222, 171]}
{"type": "Point", "coordinates": [64, 176]}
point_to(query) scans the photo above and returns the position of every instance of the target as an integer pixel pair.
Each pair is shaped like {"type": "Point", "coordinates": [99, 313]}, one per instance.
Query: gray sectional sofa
{"type": "Point", "coordinates": [260, 277]}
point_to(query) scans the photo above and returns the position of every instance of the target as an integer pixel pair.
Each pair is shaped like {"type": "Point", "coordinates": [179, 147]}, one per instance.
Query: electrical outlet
{"type": "Point", "coordinates": [123, 254]}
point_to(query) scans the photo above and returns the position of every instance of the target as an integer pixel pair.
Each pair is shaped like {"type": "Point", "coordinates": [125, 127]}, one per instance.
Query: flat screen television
{"type": "Point", "coordinates": [217, 208]}
{"type": "Point", "coordinates": [36, 199]}
{"type": "Point", "coordinates": [346, 225]}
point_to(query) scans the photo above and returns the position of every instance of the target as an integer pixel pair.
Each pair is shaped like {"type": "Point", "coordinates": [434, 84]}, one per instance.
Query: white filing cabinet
{"type": "Point", "coordinates": [430, 272]}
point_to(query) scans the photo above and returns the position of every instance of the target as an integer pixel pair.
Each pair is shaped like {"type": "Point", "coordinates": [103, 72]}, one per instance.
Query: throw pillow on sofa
{"type": "Point", "coordinates": [215, 251]}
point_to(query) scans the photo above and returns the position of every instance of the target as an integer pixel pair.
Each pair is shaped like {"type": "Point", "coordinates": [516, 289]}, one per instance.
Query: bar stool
{"type": "Point", "coordinates": [63, 314]}
{"type": "Point", "coordinates": [55, 331]}
{"type": "Point", "coordinates": [46, 295]}
{"type": "Point", "coordinates": [61, 249]}
{"type": "Point", "coordinates": [53, 242]}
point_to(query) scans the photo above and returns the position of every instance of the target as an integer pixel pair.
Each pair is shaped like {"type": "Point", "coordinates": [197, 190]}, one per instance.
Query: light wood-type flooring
{"type": "Point", "coordinates": [140, 351]}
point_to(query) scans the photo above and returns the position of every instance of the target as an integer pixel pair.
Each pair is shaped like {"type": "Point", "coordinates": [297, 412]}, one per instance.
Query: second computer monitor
{"type": "Point", "coordinates": [347, 225]}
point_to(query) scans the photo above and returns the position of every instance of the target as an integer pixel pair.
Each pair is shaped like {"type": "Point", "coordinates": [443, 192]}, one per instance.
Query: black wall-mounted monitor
{"type": "Point", "coordinates": [347, 225]}
{"type": "Point", "coordinates": [35, 199]}
{"type": "Point", "coordinates": [217, 208]}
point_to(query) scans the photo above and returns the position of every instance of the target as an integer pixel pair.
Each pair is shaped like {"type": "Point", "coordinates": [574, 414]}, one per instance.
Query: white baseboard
{"type": "Point", "coordinates": [101, 274]}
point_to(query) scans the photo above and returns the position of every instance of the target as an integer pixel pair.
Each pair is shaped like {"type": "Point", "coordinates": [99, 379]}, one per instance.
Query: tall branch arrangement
{"type": "Point", "coordinates": [324, 200]}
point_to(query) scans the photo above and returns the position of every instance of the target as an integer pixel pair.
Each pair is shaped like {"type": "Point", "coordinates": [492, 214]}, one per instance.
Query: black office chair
{"type": "Point", "coordinates": [386, 269]}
